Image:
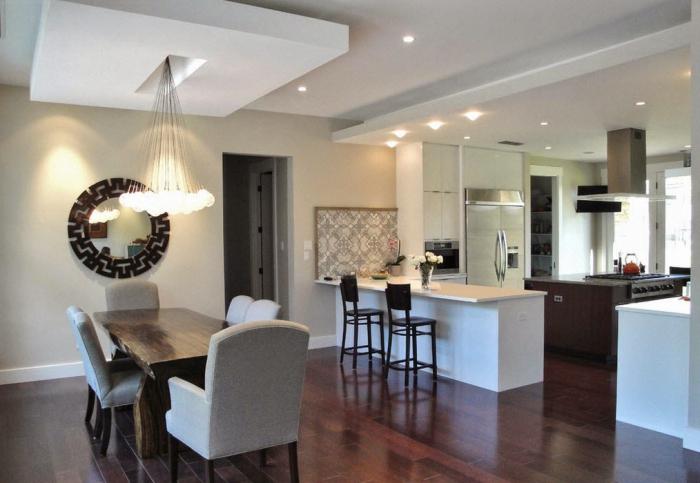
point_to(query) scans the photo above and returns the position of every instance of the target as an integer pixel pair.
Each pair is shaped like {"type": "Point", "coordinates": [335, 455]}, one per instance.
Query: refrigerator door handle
{"type": "Point", "coordinates": [504, 257]}
{"type": "Point", "coordinates": [497, 256]}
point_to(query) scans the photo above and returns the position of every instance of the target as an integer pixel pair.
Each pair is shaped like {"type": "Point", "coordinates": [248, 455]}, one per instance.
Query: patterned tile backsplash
{"type": "Point", "coordinates": [354, 239]}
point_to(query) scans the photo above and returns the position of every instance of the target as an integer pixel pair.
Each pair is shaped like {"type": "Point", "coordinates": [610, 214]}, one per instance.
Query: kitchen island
{"type": "Point", "coordinates": [652, 366]}
{"type": "Point", "coordinates": [486, 336]}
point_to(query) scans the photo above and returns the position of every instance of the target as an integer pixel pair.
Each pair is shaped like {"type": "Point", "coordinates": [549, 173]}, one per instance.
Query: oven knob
{"type": "Point", "coordinates": [643, 289]}
{"type": "Point", "coordinates": [636, 290]}
{"type": "Point", "coordinates": [668, 286]}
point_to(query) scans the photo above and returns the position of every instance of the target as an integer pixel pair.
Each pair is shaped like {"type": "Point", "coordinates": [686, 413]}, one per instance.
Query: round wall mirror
{"type": "Point", "coordinates": [112, 240]}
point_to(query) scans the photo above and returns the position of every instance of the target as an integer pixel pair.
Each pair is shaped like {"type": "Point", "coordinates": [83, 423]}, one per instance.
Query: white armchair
{"type": "Point", "coordinates": [262, 309]}
{"type": "Point", "coordinates": [252, 395]}
{"type": "Point", "coordinates": [237, 309]}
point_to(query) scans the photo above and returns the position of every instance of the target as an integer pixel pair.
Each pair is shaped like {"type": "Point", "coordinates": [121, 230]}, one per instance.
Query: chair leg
{"type": "Point", "coordinates": [388, 352]}
{"type": "Point", "coordinates": [381, 337]}
{"type": "Point", "coordinates": [433, 340]}
{"type": "Point", "coordinates": [414, 337]}
{"type": "Point", "coordinates": [355, 334]}
{"type": "Point", "coordinates": [263, 457]}
{"type": "Point", "coordinates": [106, 429]}
{"type": "Point", "coordinates": [209, 471]}
{"type": "Point", "coordinates": [407, 366]}
{"type": "Point", "coordinates": [172, 457]}
{"type": "Point", "coordinates": [90, 405]}
{"type": "Point", "coordinates": [369, 338]}
{"type": "Point", "coordinates": [98, 421]}
{"type": "Point", "coordinates": [342, 344]}
{"type": "Point", "coordinates": [293, 462]}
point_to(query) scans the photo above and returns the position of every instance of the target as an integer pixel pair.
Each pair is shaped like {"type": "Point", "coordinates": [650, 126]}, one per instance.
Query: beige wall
{"type": "Point", "coordinates": [49, 153]}
{"type": "Point", "coordinates": [577, 233]}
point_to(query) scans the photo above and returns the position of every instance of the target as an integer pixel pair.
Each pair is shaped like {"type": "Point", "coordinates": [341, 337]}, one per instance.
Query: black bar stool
{"type": "Point", "coordinates": [398, 297]}
{"type": "Point", "coordinates": [357, 317]}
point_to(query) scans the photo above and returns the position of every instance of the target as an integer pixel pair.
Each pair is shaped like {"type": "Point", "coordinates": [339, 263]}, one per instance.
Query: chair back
{"type": "Point", "coordinates": [348, 289]}
{"type": "Point", "coordinates": [262, 309]}
{"type": "Point", "coordinates": [253, 382]}
{"type": "Point", "coordinates": [238, 308]}
{"type": "Point", "coordinates": [131, 295]}
{"type": "Point", "coordinates": [94, 363]}
{"type": "Point", "coordinates": [398, 296]}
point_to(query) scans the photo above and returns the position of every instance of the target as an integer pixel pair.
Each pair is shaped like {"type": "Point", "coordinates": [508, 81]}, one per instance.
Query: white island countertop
{"type": "Point", "coordinates": [672, 307]}
{"type": "Point", "coordinates": [447, 291]}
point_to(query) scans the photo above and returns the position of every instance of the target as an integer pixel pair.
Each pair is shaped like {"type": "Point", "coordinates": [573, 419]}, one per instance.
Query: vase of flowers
{"type": "Point", "coordinates": [426, 264]}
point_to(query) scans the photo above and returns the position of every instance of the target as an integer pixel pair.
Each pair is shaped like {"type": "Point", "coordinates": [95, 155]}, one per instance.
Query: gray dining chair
{"type": "Point", "coordinates": [262, 310]}
{"type": "Point", "coordinates": [238, 308]}
{"type": "Point", "coordinates": [132, 294]}
{"type": "Point", "coordinates": [251, 398]}
{"type": "Point", "coordinates": [115, 383]}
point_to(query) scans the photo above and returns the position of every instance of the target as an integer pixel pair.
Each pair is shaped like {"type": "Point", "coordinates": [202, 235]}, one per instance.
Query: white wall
{"type": "Point", "coordinates": [49, 153]}
{"type": "Point", "coordinates": [692, 437]}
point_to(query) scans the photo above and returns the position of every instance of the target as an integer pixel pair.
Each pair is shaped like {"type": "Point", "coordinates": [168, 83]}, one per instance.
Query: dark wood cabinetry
{"type": "Point", "coordinates": [580, 318]}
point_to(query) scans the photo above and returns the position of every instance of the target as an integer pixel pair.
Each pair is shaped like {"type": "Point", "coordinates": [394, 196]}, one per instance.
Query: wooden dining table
{"type": "Point", "coordinates": [164, 343]}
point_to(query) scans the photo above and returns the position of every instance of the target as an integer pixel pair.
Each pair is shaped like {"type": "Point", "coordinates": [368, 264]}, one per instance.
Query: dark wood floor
{"type": "Point", "coordinates": [357, 428]}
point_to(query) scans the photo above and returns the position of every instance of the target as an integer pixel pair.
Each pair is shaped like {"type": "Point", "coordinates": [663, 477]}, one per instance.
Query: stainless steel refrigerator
{"type": "Point", "coordinates": [495, 226]}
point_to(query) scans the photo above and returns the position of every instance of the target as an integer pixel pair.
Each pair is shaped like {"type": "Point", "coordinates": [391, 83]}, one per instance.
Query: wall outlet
{"type": "Point", "coordinates": [308, 245]}
{"type": "Point", "coordinates": [558, 298]}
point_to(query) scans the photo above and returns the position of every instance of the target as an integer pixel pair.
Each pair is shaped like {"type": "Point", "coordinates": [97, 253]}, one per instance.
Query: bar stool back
{"type": "Point", "coordinates": [357, 317]}
{"type": "Point", "coordinates": [398, 298]}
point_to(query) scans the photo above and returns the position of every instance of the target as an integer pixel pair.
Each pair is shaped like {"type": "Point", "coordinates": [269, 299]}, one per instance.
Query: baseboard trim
{"type": "Point", "coordinates": [691, 439]}
{"type": "Point", "coordinates": [41, 373]}
{"type": "Point", "coordinates": [322, 341]}
{"type": "Point", "coordinates": [72, 369]}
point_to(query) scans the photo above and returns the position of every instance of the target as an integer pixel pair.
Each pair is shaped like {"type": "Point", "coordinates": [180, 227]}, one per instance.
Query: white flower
{"type": "Point", "coordinates": [439, 259]}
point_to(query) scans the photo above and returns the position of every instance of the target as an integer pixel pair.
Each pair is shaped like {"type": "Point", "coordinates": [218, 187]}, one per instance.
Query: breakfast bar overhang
{"type": "Point", "coordinates": [486, 336]}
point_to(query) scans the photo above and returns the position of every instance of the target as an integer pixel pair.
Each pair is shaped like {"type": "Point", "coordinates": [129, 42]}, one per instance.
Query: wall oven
{"type": "Point", "coordinates": [449, 250]}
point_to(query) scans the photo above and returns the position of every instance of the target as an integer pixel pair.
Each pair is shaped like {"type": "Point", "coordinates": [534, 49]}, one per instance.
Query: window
{"type": "Point", "coordinates": [677, 232]}
{"type": "Point", "coordinates": [632, 230]}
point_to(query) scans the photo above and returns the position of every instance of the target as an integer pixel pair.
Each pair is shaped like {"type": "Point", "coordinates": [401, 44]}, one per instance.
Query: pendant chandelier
{"type": "Point", "coordinates": [169, 186]}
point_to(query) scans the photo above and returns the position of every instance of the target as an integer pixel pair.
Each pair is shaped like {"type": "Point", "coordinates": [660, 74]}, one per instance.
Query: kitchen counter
{"type": "Point", "coordinates": [447, 291]}
{"type": "Point", "coordinates": [671, 307]}
{"type": "Point", "coordinates": [652, 368]}
{"type": "Point", "coordinates": [580, 278]}
{"type": "Point", "coordinates": [486, 336]}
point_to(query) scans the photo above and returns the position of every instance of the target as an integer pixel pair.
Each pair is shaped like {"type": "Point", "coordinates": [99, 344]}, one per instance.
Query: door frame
{"type": "Point", "coordinates": [557, 174]}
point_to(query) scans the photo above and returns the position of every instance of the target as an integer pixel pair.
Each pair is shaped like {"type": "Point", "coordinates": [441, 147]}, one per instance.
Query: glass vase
{"type": "Point", "coordinates": [426, 275]}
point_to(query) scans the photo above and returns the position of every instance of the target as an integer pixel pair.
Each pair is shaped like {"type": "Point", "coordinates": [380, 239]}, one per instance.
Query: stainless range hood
{"type": "Point", "coordinates": [627, 168]}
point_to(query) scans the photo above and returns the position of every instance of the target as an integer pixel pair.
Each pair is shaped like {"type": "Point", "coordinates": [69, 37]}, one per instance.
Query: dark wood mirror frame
{"type": "Point", "coordinates": [90, 255]}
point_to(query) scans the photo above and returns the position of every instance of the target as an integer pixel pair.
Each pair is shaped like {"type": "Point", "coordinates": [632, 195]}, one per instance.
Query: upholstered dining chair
{"type": "Point", "coordinates": [251, 398]}
{"type": "Point", "coordinates": [113, 382]}
{"type": "Point", "coordinates": [237, 309]}
{"type": "Point", "coordinates": [262, 309]}
{"type": "Point", "coordinates": [131, 295]}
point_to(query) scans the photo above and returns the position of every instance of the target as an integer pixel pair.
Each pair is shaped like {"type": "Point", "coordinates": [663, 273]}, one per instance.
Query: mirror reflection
{"type": "Point", "coordinates": [119, 232]}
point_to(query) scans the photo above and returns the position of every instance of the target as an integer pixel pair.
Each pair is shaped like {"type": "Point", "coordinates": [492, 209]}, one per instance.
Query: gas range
{"type": "Point", "coordinates": [644, 285]}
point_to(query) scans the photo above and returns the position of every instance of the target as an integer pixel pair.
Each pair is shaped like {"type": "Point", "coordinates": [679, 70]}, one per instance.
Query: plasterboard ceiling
{"type": "Point", "coordinates": [99, 52]}
{"type": "Point", "coordinates": [457, 43]}
{"type": "Point", "coordinates": [579, 112]}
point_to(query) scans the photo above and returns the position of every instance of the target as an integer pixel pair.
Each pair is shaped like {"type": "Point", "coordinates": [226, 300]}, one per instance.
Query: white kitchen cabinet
{"type": "Point", "coordinates": [440, 168]}
{"type": "Point", "coordinates": [432, 215]}
{"type": "Point", "coordinates": [450, 216]}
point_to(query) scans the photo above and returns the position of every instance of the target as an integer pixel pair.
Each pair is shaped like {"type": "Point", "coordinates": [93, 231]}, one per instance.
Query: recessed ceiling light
{"type": "Point", "coordinates": [548, 147]}
{"type": "Point", "coordinates": [640, 103]}
{"type": "Point", "coordinates": [544, 123]}
{"type": "Point", "coordinates": [467, 137]}
{"type": "Point", "coordinates": [688, 146]}
{"type": "Point", "coordinates": [392, 143]}
{"type": "Point", "coordinates": [301, 88]}
{"type": "Point", "coordinates": [435, 125]}
{"type": "Point", "coordinates": [408, 39]}
{"type": "Point", "coordinates": [473, 115]}
{"type": "Point", "coordinates": [399, 133]}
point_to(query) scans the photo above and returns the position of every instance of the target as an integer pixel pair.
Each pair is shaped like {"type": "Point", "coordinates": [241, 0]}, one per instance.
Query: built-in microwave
{"type": "Point", "coordinates": [449, 250]}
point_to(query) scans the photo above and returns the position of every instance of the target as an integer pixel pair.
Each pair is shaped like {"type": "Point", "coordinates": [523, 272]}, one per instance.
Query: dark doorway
{"type": "Point", "coordinates": [256, 238]}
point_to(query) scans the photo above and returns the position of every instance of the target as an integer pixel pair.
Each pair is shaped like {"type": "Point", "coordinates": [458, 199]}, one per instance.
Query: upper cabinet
{"type": "Point", "coordinates": [440, 168]}
{"type": "Point", "coordinates": [491, 169]}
